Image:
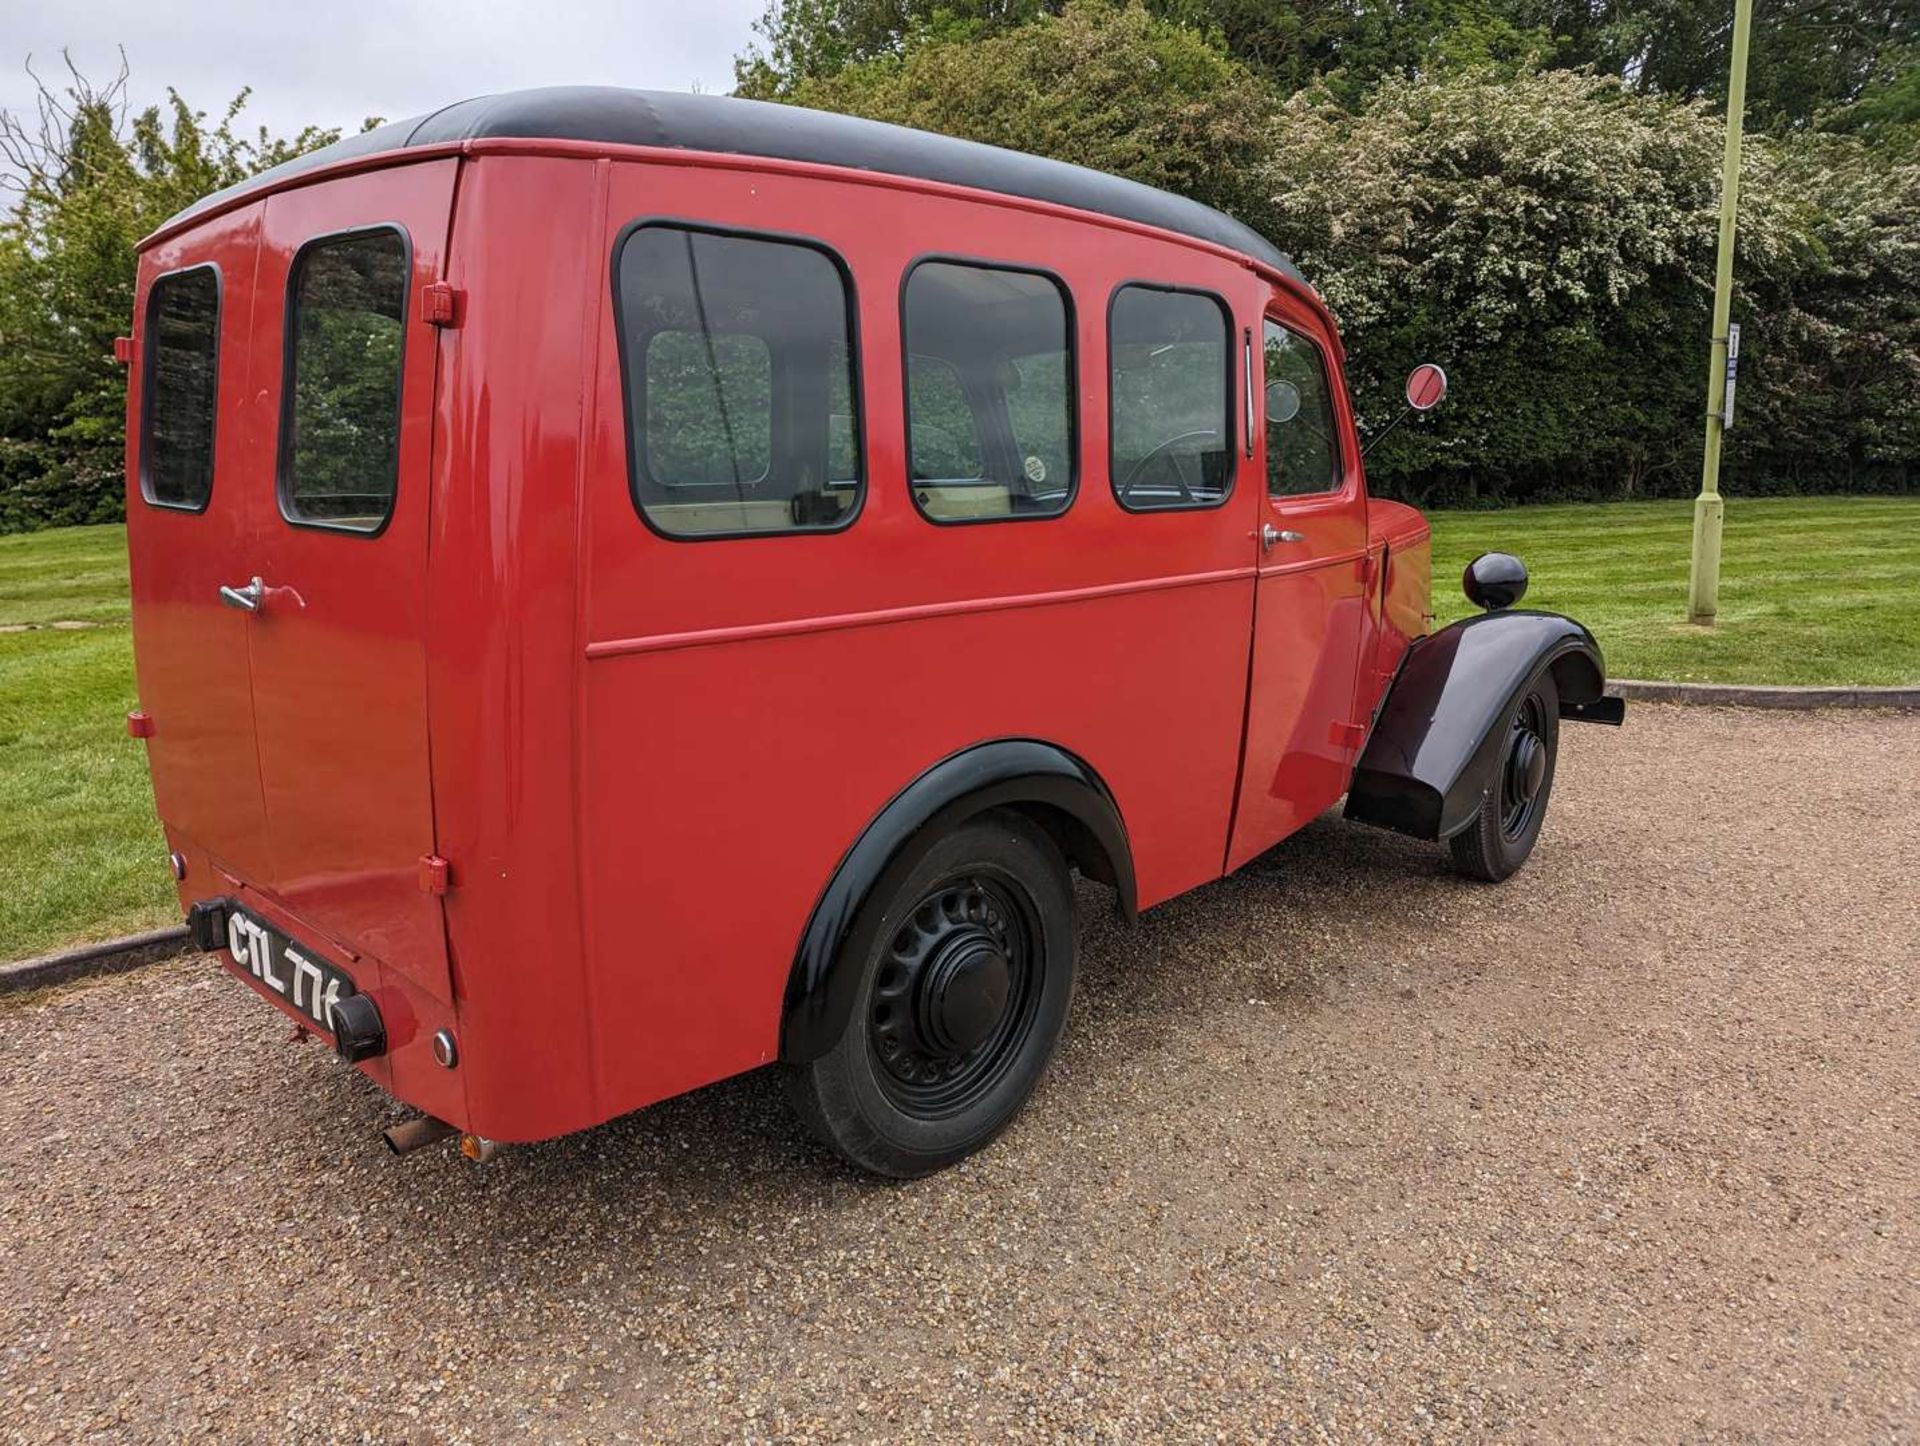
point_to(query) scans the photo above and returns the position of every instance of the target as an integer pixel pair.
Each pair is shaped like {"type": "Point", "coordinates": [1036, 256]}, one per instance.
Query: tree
{"type": "Point", "coordinates": [812, 40]}
{"type": "Point", "coordinates": [1887, 112]}
{"type": "Point", "coordinates": [1107, 86]}
{"type": "Point", "coordinates": [89, 180]}
{"type": "Point", "coordinates": [1809, 56]}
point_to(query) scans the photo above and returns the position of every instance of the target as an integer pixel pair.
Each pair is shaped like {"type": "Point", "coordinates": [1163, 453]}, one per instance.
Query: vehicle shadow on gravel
{"type": "Point", "coordinates": [1267, 922]}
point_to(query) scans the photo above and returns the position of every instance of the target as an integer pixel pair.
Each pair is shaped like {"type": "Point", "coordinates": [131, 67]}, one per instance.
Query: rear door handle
{"type": "Point", "coordinates": [247, 598]}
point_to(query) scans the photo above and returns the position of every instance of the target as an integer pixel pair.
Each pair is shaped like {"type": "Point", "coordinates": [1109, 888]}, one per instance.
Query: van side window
{"type": "Point", "coordinates": [182, 375]}
{"type": "Point", "coordinates": [1303, 448]}
{"type": "Point", "coordinates": [340, 434]}
{"type": "Point", "coordinates": [990, 416]}
{"type": "Point", "coordinates": [1170, 397]}
{"type": "Point", "coordinates": [738, 363]}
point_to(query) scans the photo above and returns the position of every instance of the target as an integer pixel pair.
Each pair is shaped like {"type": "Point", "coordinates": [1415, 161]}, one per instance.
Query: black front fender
{"type": "Point", "coordinates": [1430, 756]}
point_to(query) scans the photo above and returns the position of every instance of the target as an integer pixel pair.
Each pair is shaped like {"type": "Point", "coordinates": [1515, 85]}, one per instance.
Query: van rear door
{"type": "Point", "coordinates": [338, 446]}
{"type": "Point", "coordinates": [188, 522]}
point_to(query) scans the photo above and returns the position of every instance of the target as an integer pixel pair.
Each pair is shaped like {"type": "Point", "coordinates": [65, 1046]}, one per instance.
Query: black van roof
{"type": "Point", "coordinates": [729, 125]}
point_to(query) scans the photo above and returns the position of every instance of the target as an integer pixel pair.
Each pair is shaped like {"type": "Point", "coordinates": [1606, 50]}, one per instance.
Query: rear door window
{"type": "Point", "coordinates": [1171, 398]}
{"type": "Point", "coordinates": [737, 354]}
{"type": "Point", "coordinates": [990, 415]}
{"type": "Point", "coordinates": [340, 434]}
{"type": "Point", "coordinates": [182, 347]}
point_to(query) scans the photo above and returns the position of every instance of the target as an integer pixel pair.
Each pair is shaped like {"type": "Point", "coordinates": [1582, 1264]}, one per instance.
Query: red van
{"type": "Point", "coordinates": [628, 588]}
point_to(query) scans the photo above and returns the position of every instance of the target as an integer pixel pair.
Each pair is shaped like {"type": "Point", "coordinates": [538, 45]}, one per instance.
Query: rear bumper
{"type": "Point", "coordinates": [405, 1067]}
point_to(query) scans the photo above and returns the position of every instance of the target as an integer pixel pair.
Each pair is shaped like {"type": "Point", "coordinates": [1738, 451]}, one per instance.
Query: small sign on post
{"type": "Point", "coordinates": [1733, 371]}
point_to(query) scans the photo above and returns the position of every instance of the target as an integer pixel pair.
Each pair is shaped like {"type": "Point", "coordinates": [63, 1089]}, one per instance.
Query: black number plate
{"type": "Point", "coordinates": [298, 975]}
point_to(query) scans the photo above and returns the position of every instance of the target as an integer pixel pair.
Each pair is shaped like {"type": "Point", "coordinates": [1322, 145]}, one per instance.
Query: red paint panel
{"type": "Point", "coordinates": [1400, 534]}
{"type": "Point", "coordinates": [1310, 623]}
{"type": "Point", "coordinates": [190, 651]}
{"type": "Point", "coordinates": [338, 646]}
{"type": "Point", "coordinates": [903, 560]}
{"type": "Point", "coordinates": [723, 784]}
{"type": "Point", "coordinates": [746, 713]}
{"type": "Point", "coordinates": [505, 660]}
{"type": "Point", "coordinates": [1309, 629]}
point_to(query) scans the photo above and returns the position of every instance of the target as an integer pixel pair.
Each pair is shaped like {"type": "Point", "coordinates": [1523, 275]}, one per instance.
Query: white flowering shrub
{"type": "Point", "coordinates": [1550, 239]}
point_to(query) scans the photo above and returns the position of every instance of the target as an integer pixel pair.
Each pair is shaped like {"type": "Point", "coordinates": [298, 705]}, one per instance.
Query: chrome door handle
{"type": "Point", "coordinates": [1271, 534]}
{"type": "Point", "coordinates": [247, 598]}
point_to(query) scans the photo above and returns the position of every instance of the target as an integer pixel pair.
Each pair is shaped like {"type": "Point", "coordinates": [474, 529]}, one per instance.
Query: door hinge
{"type": "Point", "coordinates": [1349, 735]}
{"type": "Point", "coordinates": [123, 349]}
{"type": "Point", "coordinates": [139, 725]}
{"type": "Point", "coordinates": [440, 304]}
{"type": "Point", "coordinates": [435, 874]}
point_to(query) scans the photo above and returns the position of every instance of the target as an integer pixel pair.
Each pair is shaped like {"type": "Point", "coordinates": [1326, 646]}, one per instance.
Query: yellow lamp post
{"type": "Point", "coordinates": [1703, 588]}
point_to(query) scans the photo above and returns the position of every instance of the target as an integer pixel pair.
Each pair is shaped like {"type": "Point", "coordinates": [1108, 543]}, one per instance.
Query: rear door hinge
{"type": "Point", "coordinates": [123, 349]}
{"type": "Point", "coordinates": [139, 724]}
{"type": "Point", "coordinates": [435, 874]}
{"type": "Point", "coordinates": [1349, 735]}
{"type": "Point", "coordinates": [440, 304]}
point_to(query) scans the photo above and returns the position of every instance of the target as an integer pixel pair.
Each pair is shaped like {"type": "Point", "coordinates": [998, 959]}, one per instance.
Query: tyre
{"type": "Point", "coordinates": [1502, 834]}
{"type": "Point", "coordinates": [963, 994]}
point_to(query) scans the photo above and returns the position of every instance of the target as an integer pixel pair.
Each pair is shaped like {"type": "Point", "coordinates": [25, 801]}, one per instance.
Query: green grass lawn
{"type": "Point", "coordinates": [81, 854]}
{"type": "Point", "coordinates": [1815, 591]}
{"type": "Point", "coordinates": [1822, 590]}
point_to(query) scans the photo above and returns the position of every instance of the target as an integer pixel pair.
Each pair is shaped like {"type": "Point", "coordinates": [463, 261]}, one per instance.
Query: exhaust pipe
{"type": "Point", "coordinates": [404, 1139]}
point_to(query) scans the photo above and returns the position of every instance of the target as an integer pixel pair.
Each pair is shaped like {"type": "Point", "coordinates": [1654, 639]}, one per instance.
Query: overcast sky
{"type": "Point", "coordinates": [333, 62]}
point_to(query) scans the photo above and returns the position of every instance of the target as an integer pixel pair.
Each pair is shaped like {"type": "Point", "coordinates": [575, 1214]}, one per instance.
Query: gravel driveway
{"type": "Point", "coordinates": [1626, 1148]}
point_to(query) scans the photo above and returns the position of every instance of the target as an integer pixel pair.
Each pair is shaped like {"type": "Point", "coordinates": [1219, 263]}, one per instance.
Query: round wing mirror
{"type": "Point", "coordinates": [1283, 402]}
{"type": "Point", "coordinates": [1494, 580]}
{"type": "Point", "coordinates": [1426, 387]}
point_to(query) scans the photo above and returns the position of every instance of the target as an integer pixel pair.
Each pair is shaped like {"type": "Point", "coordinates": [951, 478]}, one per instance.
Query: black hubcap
{"type": "Point", "coordinates": [963, 992]}
{"type": "Point", "coordinates": [1524, 770]}
{"type": "Point", "coordinates": [955, 994]}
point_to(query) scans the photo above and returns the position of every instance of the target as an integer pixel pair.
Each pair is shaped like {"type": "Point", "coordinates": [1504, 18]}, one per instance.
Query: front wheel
{"type": "Point", "coordinates": [963, 995]}
{"type": "Point", "coordinates": [1503, 833]}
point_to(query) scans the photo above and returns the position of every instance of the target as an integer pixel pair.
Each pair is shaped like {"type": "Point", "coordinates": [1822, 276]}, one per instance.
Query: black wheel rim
{"type": "Point", "coordinates": [1523, 769]}
{"type": "Point", "coordinates": [956, 994]}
